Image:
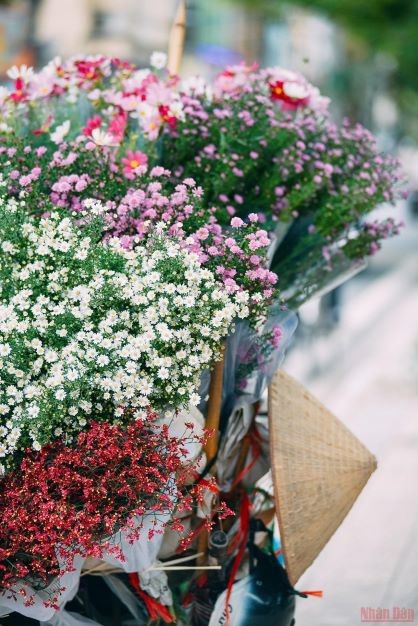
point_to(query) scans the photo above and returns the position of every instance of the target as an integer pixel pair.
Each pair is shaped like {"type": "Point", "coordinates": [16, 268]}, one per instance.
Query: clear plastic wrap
{"type": "Point", "coordinates": [251, 358]}
{"type": "Point", "coordinates": [38, 610]}
{"type": "Point", "coordinates": [250, 363]}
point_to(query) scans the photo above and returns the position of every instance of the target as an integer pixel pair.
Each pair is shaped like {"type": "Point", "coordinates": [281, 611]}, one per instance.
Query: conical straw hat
{"type": "Point", "coordinates": [319, 468]}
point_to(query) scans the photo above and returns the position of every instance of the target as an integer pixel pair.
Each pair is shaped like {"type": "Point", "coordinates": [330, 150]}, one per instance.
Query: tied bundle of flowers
{"type": "Point", "coordinates": [264, 143]}
{"type": "Point", "coordinates": [91, 330]}
{"type": "Point", "coordinates": [328, 234]}
{"type": "Point", "coordinates": [94, 338]}
{"type": "Point", "coordinates": [69, 501]}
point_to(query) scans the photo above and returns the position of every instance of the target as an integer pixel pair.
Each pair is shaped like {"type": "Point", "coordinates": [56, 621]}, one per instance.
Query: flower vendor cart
{"type": "Point", "coordinates": [157, 236]}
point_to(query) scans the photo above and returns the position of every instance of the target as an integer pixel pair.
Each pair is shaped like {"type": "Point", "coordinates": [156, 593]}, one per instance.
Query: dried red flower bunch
{"type": "Point", "coordinates": [69, 501]}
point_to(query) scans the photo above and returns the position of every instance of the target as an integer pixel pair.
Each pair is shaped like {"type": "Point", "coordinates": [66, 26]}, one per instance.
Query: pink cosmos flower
{"type": "Point", "coordinates": [292, 90]}
{"type": "Point", "coordinates": [41, 85]}
{"type": "Point", "coordinates": [233, 78]}
{"type": "Point", "coordinates": [151, 126]}
{"type": "Point", "coordinates": [129, 102]}
{"type": "Point", "coordinates": [292, 93]}
{"type": "Point", "coordinates": [132, 162]}
{"type": "Point", "coordinates": [91, 124]}
{"type": "Point", "coordinates": [19, 92]}
{"type": "Point", "coordinates": [117, 126]}
{"type": "Point", "coordinates": [89, 68]}
{"type": "Point", "coordinates": [158, 94]}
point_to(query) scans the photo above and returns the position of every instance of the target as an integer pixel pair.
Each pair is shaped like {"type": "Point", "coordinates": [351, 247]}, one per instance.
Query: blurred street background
{"type": "Point", "coordinates": [357, 348]}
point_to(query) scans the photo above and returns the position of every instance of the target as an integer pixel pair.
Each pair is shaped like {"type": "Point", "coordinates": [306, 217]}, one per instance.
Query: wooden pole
{"type": "Point", "coordinates": [176, 40]}
{"type": "Point", "coordinates": [213, 418]}
{"type": "Point", "coordinates": [214, 406]}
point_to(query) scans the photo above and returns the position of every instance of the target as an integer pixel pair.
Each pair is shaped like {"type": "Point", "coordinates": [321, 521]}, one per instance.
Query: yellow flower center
{"type": "Point", "coordinates": [134, 164]}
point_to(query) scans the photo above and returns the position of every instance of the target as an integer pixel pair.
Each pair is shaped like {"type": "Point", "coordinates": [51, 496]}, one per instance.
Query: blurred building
{"type": "Point", "coordinates": [129, 29]}
{"type": "Point", "coordinates": [16, 35]}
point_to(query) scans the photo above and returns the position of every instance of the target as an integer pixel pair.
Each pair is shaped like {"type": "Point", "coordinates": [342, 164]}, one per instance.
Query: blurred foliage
{"type": "Point", "coordinates": [385, 25]}
{"type": "Point", "coordinates": [374, 26]}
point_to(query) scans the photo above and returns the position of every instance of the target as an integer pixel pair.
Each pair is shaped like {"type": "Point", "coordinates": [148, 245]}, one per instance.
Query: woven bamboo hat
{"type": "Point", "coordinates": [319, 468]}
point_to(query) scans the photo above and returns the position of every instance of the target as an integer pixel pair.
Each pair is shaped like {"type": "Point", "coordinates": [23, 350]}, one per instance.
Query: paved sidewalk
{"type": "Point", "coordinates": [372, 385]}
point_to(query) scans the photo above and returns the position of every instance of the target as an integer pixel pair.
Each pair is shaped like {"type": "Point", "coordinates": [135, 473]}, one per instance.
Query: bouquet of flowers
{"type": "Point", "coordinates": [263, 142]}
{"type": "Point", "coordinates": [93, 335]}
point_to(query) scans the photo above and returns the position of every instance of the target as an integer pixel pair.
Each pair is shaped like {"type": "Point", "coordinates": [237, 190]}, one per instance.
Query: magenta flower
{"type": "Point", "coordinates": [91, 124]}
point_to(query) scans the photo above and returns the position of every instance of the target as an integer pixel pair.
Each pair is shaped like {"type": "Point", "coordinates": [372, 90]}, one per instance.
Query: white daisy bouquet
{"type": "Point", "coordinates": [92, 330]}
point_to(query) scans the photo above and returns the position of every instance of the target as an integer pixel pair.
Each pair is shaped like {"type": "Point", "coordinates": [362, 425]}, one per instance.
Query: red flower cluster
{"type": "Point", "coordinates": [292, 93]}
{"type": "Point", "coordinates": [90, 70]}
{"type": "Point", "coordinates": [171, 120]}
{"type": "Point", "coordinates": [66, 500]}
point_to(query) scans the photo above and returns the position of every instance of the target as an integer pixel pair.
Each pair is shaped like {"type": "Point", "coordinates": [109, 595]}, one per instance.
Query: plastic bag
{"type": "Point", "coordinates": [38, 610]}
{"type": "Point", "coordinates": [141, 554]}
{"type": "Point", "coordinates": [251, 359]}
{"type": "Point", "coordinates": [177, 428]}
{"type": "Point", "coordinates": [239, 423]}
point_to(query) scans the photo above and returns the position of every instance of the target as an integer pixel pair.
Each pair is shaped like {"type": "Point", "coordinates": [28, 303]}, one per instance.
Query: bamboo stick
{"type": "Point", "coordinates": [177, 561]}
{"type": "Point", "coordinates": [176, 40]}
{"type": "Point", "coordinates": [214, 406]}
{"type": "Point", "coordinates": [184, 568]}
{"type": "Point", "coordinates": [213, 418]}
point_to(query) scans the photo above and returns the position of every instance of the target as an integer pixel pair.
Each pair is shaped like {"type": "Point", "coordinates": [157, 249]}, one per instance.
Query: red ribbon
{"type": "Point", "coordinates": [155, 609]}
{"type": "Point", "coordinates": [255, 447]}
{"type": "Point", "coordinates": [244, 526]}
